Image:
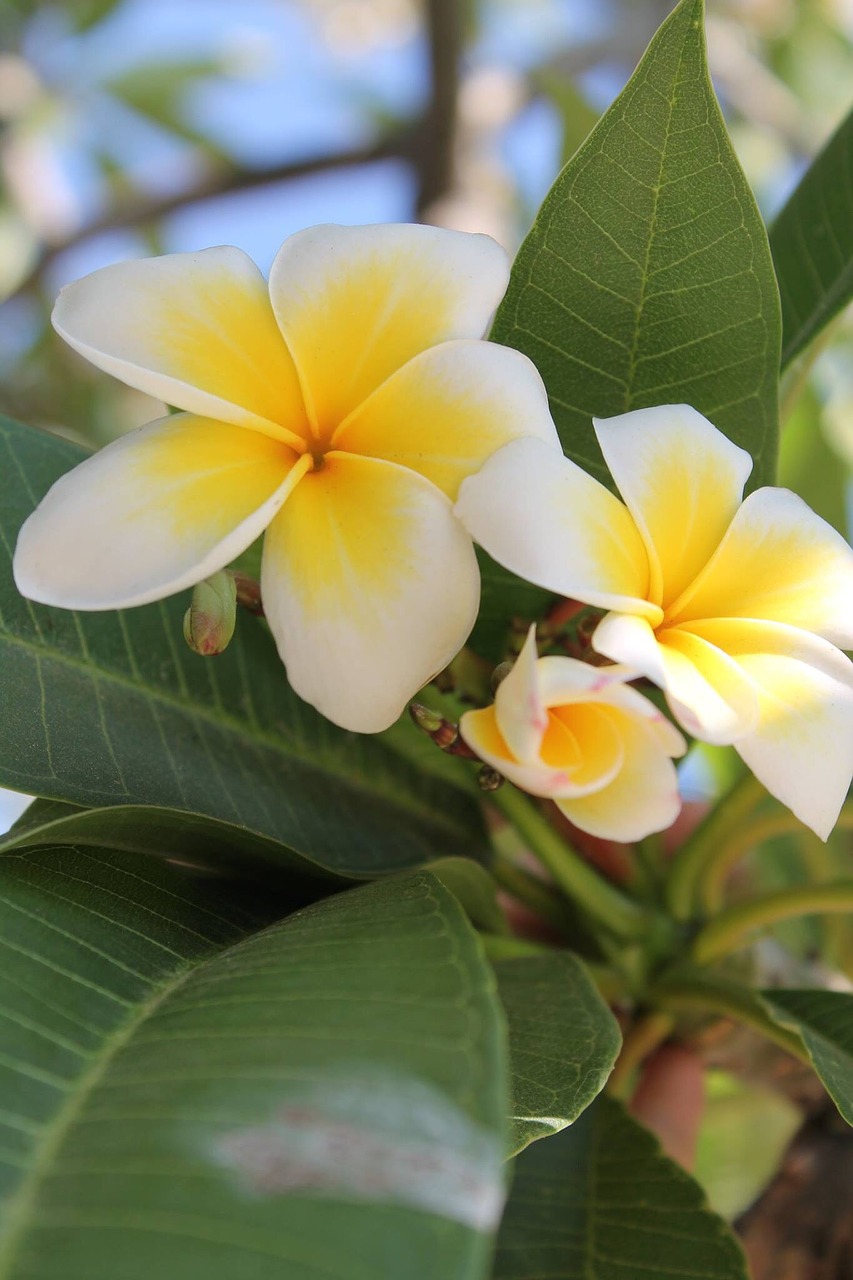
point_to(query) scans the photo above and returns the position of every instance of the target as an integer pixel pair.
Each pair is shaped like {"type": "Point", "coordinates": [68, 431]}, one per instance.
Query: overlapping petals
{"type": "Point", "coordinates": [341, 409]}
{"type": "Point", "coordinates": [581, 736]}
{"type": "Point", "coordinates": [732, 606]}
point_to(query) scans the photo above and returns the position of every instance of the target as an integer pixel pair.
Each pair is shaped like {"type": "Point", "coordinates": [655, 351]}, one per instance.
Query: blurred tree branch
{"type": "Point", "coordinates": [435, 160]}
{"type": "Point", "coordinates": [140, 210]}
{"type": "Point", "coordinates": [427, 144]}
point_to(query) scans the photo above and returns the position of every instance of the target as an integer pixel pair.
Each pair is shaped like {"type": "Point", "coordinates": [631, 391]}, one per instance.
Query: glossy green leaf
{"type": "Point", "coordinates": [812, 243]}
{"type": "Point", "coordinates": [646, 278]}
{"type": "Point", "coordinates": [190, 838]}
{"type": "Point", "coordinates": [600, 1202]}
{"type": "Point", "coordinates": [323, 1098]}
{"type": "Point", "coordinates": [113, 709]}
{"type": "Point", "coordinates": [563, 1042]}
{"type": "Point", "coordinates": [824, 1019]}
{"type": "Point", "coordinates": [474, 889]}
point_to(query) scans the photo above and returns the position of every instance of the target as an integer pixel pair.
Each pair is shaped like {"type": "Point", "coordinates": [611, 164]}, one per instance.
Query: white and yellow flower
{"type": "Point", "coordinates": [338, 408]}
{"type": "Point", "coordinates": [734, 607]}
{"type": "Point", "coordinates": [581, 736]}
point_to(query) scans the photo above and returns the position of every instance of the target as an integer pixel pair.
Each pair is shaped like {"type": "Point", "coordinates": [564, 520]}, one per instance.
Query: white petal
{"type": "Point", "coordinates": [802, 747]}
{"type": "Point", "coordinates": [682, 481]}
{"type": "Point", "coordinates": [630, 640]}
{"type": "Point", "coordinates": [370, 587]}
{"type": "Point", "coordinates": [193, 329]}
{"type": "Point", "coordinates": [155, 511]}
{"type": "Point", "coordinates": [447, 410]}
{"type": "Point", "coordinates": [707, 691]}
{"type": "Point", "coordinates": [480, 730]}
{"type": "Point", "coordinates": [643, 796]}
{"type": "Point", "coordinates": [355, 303]}
{"type": "Point", "coordinates": [542, 517]}
{"type": "Point", "coordinates": [781, 563]}
{"type": "Point", "coordinates": [521, 714]}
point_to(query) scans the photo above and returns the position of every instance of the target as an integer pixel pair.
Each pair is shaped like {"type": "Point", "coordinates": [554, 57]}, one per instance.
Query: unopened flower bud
{"type": "Point", "coordinates": [209, 621]}
{"type": "Point", "coordinates": [489, 779]}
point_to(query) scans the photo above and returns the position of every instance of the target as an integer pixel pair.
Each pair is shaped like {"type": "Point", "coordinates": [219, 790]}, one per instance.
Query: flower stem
{"type": "Point", "coordinates": [498, 947]}
{"type": "Point", "coordinates": [732, 929]}
{"type": "Point", "coordinates": [641, 1040]}
{"type": "Point", "coordinates": [529, 890]}
{"type": "Point", "coordinates": [750, 837]}
{"type": "Point", "coordinates": [709, 843]}
{"type": "Point", "coordinates": [686, 991]}
{"type": "Point", "coordinates": [575, 877]}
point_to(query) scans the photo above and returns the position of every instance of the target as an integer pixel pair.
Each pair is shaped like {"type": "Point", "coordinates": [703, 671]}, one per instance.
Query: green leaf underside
{"type": "Point", "coordinates": [646, 278]}
{"type": "Point", "coordinates": [812, 244]}
{"type": "Point", "coordinates": [322, 1099]}
{"type": "Point", "coordinates": [563, 1042]}
{"type": "Point", "coordinates": [824, 1019]}
{"type": "Point", "coordinates": [113, 709]}
{"type": "Point", "coordinates": [600, 1202]}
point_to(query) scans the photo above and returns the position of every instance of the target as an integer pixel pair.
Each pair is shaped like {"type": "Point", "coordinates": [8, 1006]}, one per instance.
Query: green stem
{"type": "Point", "coordinates": [529, 890]}
{"type": "Point", "coordinates": [641, 1040]}
{"type": "Point", "coordinates": [742, 842]}
{"type": "Point", "coordinates": [732, 929]}
{"type": "Point", "coordinates": [575, 877]}
{"type": "Point", "coordinates": [708, 843]}
{"type": "Point", "coordinates": [686, 993]}
{"type": "Point", "coordinates": [497, 947]}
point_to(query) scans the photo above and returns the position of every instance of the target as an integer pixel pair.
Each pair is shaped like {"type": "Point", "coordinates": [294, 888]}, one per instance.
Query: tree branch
{"type": "Point", "coordinates": [435, 153]}
{"type": "Point", "coordinates": [224, 181]}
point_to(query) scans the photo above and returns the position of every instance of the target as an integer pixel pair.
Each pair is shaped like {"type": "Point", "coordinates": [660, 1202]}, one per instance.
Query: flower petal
{"type": "Point", "coordinates": [193, 329]}
{"type": "Point", "coordinates": [480, 730]}
{"type": "Point", "coordinates": [802, 746]}
{"type": "Point", "coordinates": [355, 303]}
{"type": "Point", "coordinates": [630, 640]}
{"type": "Point", "coordinates": [706, 689]}
{"type": "Point", "coordinates": [682, 481]}
{"type": "Point", "coordinates": [155, 511]}
{"type": "Point", "coordinates": [778, 562]}
{"type": "Point", "coordinates": [541, 516]}
{"type": "Point", "coordinates": [446, 411]}
{"type": "Point", "coordinates": [521, 714]}
{"type": "Point", "coordinates": [708, 692]}
{"type": "Point", "coordinates": [643, 796]}
{"type": "Point", "coordinates": [370, 587]}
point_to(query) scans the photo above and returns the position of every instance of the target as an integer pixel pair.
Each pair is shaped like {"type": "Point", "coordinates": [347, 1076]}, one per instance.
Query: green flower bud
{"type": "Point", "coordinates": [209, 622]}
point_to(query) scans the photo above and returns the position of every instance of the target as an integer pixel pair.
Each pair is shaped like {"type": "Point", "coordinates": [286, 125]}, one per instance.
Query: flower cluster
{"type": "Point", "coordinates": [343, 409]}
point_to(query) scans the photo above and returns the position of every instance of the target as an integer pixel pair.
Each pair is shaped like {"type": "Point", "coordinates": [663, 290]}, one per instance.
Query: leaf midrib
{"type": "Point", "coordinates": [402, 801]}
{"type": "Point", "coordinates": [20, 1208]}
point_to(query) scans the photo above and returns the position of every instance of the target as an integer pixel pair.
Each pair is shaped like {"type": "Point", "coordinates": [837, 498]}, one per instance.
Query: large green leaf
{"type": "Point", "coordinates": [646, 278]}
{"type": "Point", "coordinates": [824, 1019]}
{"type": "Point", "coordinates": [169, 833]}
{"type": "Point", "coordinates": [600, 1202]}
{"type": "Point", "coordinates": [563, 1042]}
{"type": "Point", "coordinates": [812, 243]}
{"type": "Point", "coordinates": [114, 709]}
{"type": "Point", "coordinates": [323, 1098]}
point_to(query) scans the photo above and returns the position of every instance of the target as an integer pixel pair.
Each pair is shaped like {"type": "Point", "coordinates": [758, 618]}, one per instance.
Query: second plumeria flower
{"type": "Point", "coordinates": [338, 408]}
{"type": "Point", "coordinates": [579, 735]}
{"type": "Point", "coordinates": [733, 606]}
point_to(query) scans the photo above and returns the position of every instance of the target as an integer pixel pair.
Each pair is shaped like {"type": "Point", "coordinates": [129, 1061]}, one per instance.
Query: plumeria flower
{"type": "Point", "coordinates": [338, 408]}
{"type": "Point", "coordinates": [581, 736]}
{"type": "Point", "coordinates": [734, 607]}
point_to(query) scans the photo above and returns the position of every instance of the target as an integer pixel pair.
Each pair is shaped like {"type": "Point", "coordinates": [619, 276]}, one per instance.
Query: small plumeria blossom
{"type": "Point", "coordinates": [733, 606]}
{"type": "Point", "coordinates": [581, 736]}
{"type": "Point", "coordinates": [338, 408]}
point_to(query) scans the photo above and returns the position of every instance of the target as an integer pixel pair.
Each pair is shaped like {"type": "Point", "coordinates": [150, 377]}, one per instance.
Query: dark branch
{"type": "Point", "coordinates": [435, 153]}
{"type": "Point", "coordinates": [140, 211]}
